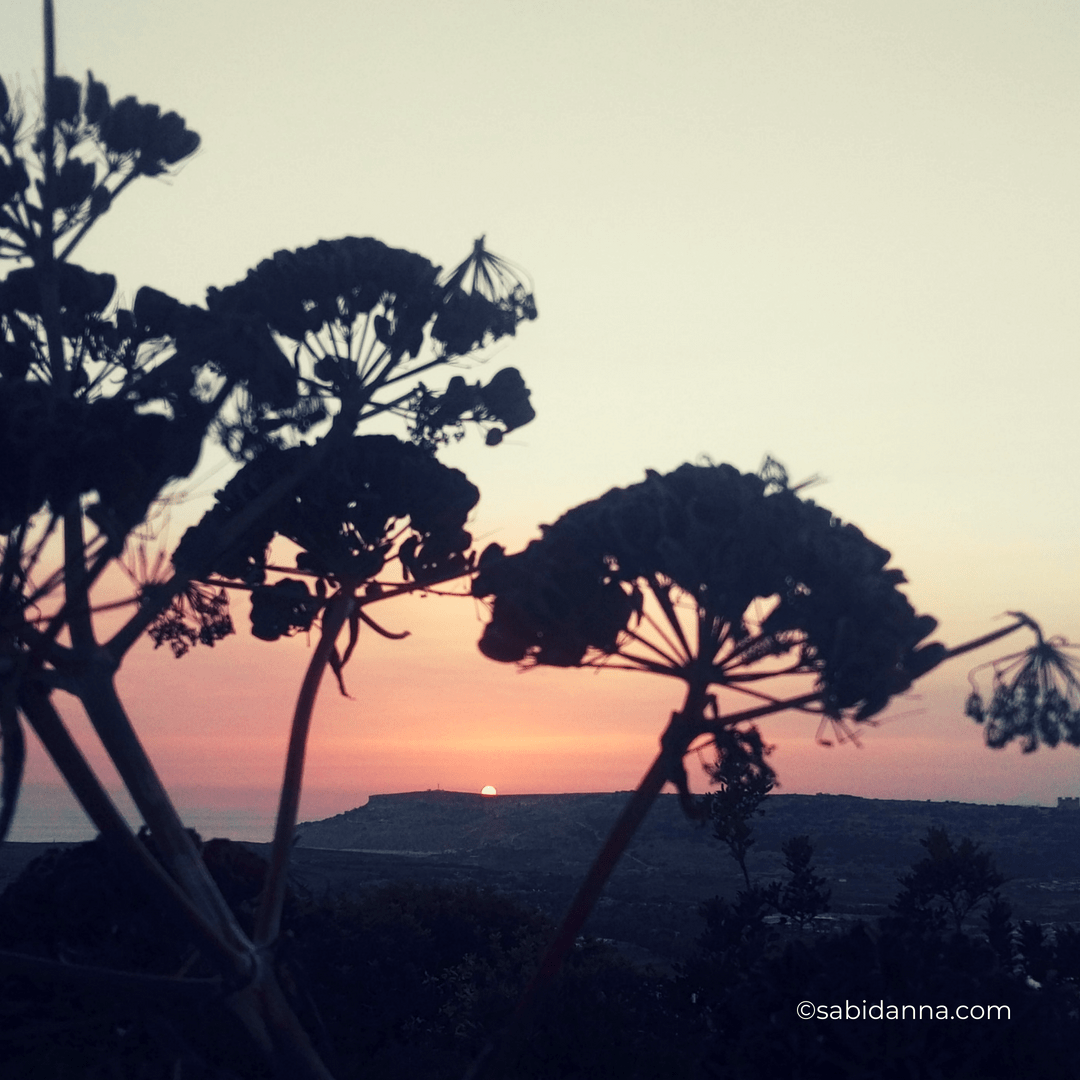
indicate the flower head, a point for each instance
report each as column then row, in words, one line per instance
column 1035, row 696
column 484, row 299
column 704, row 574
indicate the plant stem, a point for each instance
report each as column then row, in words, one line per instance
column 124, row 982
column 268, row 918
column 45, row 720
column 178, row 851
column 683, row 728
column 986, row 639
column 498, row 1056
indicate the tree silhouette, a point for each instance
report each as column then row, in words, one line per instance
column 804, row 896
column 743, row 781
column 949, row 884
column 103, row 407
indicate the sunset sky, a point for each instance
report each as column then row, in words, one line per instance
column 846, row 234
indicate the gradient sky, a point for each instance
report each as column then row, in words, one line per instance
column 846, row 234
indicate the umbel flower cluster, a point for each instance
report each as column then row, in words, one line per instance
column 351, row 323
column 708, row 547
column 95, row 147
column 324, row 339
column 1035, row 696
column 71, row 415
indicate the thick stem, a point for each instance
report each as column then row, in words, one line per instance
column 46, row 721
column 176, row 846
column 497, row 1057
column 268, row 919
column 683, row 726
column 76, row 585
column 622, row 832
column 259, row 1005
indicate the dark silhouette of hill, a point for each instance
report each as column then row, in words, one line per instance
column 538, row 846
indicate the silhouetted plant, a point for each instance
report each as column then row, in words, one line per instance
column 997, row 919
column 736, row 935
column 717, row 579
column 743, row 779
column 949, row 884
column 102, row 407
column 393, row 981
column 804, row 896
column 1035, row 696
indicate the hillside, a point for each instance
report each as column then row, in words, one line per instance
column 538, row 846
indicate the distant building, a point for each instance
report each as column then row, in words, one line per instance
column 1065, row 803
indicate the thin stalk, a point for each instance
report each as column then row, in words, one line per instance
column 977, row 643
column 663, row 598
column 88, row 224
column 646, row 617
column 268, row 918
column 643, row 663
column 672, row 661
column 43, row 256
column 125, row 982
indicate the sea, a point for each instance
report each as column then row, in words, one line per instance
column 47, row 814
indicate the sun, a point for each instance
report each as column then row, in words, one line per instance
column 489, row 790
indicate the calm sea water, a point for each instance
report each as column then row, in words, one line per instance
column 49, row 815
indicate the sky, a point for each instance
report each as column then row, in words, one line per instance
column 845, row 234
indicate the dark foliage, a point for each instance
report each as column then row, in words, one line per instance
column 949, row 884
column 743, row 781
column 439, row 417
column 750, row 976
column 398, row 981
column 196, row 615
column 804, row 896
column 408, row 980
column 79, row 906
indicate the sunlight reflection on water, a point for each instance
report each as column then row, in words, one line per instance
column 48, row 814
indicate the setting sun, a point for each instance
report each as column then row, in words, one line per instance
column 489, row 790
